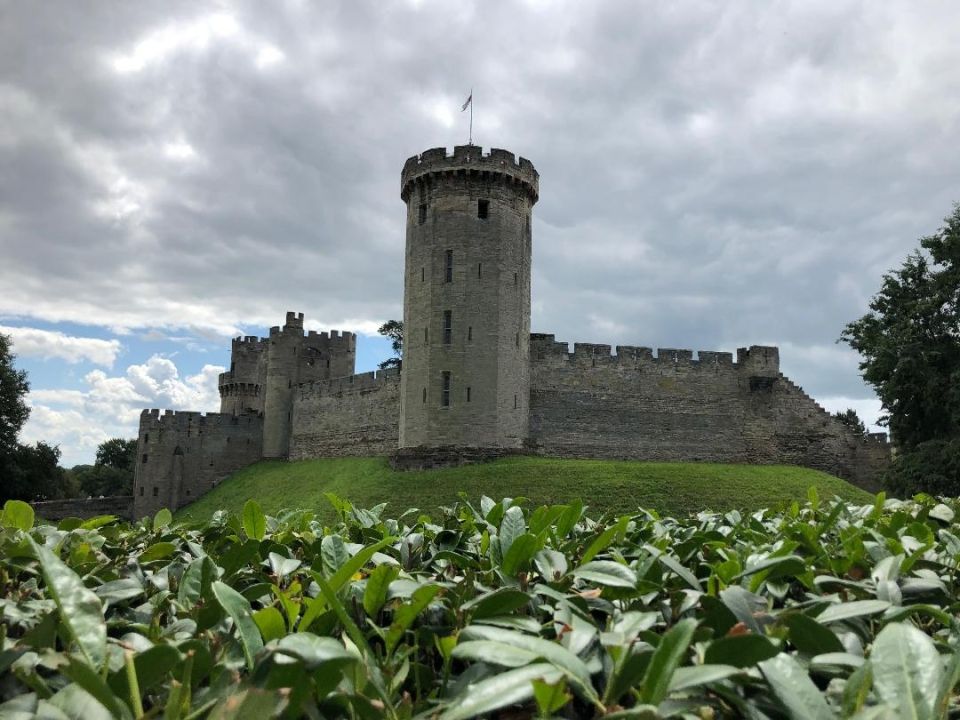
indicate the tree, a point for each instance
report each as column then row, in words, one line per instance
column 909, row 343
column 850, row 418
column 32, row 472
column 27, row 472
column 393, row 329
column 113, row 472
column 13, row 390
column 118, row 453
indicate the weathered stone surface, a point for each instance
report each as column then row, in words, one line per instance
column 352, row 416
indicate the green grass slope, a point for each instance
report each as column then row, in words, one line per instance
column 605, row 486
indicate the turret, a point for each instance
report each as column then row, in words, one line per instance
column 465, row 379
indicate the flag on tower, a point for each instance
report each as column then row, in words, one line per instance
column 468, row 102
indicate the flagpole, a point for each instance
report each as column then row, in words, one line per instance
column 470, row 141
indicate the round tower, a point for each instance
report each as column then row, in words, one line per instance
column 466, row 305
column 283, row 358
column 241, row 387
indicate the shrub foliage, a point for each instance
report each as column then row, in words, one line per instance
column 820, row 611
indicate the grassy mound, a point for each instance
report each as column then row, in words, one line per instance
column 603, row 485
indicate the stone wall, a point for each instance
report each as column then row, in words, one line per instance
column 119, row 505
column 352, row 416
column 182, row 455
column 675, row 407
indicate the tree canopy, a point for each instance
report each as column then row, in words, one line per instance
column 393, row 329
column 13, row 390
column 909, row 343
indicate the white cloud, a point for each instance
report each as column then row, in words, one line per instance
column 868, row 409
column 110, row 406
column 48, row 344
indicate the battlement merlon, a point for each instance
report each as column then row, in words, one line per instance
column 181, row 419
column 248, row 343
column 757, row 360
column 469, row 159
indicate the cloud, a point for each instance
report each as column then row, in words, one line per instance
column 47, row 344
column 712, row 175
column 110, row 406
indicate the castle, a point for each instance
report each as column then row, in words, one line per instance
column 475, row 382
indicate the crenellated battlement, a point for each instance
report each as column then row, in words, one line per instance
column 248, row 343
column 183, row 419
column 351, row 383
column 546, row 347
column 469, row 159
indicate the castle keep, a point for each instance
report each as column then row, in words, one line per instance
column 475, row 382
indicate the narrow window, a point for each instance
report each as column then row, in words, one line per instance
column 424, row 394
column 426, row 335
column 141, row 491
column 479, row 270
column 233, row 366
column 445, row 397
column 514, row 278
column 423, row 274
column 514, row 402
column 470, row 333
column 144, row 459
column 483, row 209
column 468, row 394
column 449, row 265
column 328, row 362
column 517, row 340
column 447, row 327
column 146, row 437
column 423, row 213
column 156, row 491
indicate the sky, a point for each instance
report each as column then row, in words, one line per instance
column 712, row 175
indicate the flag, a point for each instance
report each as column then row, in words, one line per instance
column 467, row 103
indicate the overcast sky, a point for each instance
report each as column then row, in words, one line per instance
column 713, row 175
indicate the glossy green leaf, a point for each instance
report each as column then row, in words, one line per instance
column 740, row 651
column 518, row 556
column 17, row 515
column 607, row 572
column 237, row 607
column 254, row 521
column 685, row 678
column 852, row 609
column 378, row 584
column 158, row 551
column 907, row 671
column 791, row 685
column 80, row 609
column 668, row 656
column 511, row 527
column 499, row 602
column 406, row 614
column 162, row 519
column 271, row 624
column 809, row 636
column 507, row 688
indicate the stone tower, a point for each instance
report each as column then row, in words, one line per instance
column 291, row 359
column 466, row 306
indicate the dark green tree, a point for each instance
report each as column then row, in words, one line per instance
column 113, row 472
column 909, row 344
column 393, row 329
column 850, row 418
column 13, row 390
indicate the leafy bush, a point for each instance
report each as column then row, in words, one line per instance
column 932, row 467
column 820, row 611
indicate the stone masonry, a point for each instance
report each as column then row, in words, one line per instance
column 475, row 382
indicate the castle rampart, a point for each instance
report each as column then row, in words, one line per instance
column 351, row 416
column 475, row 382
column 182, row 455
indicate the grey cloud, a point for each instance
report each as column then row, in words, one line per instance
column 711, row 175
